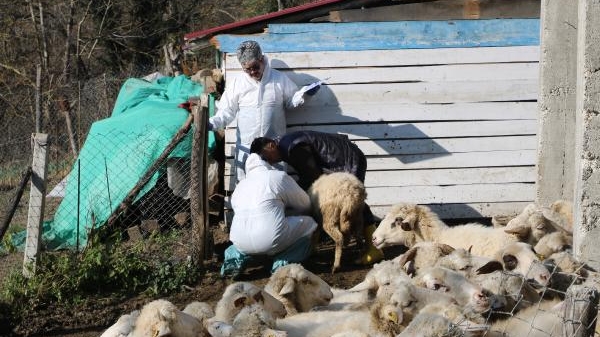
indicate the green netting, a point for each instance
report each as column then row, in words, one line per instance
column 116, row 154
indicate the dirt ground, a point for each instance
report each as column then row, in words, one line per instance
column 92, row 319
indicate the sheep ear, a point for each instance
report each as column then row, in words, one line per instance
column 240, row 301
column 447, row 249
column 409, row 255
column 288, row 287
column 490, row 267
column 364, row 285
column 521, row 232
column 258, row 297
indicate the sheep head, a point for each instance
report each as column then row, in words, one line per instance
column 407, row 224
column 520, row 258
column 298, row 289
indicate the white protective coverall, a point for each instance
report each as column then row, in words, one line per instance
column 259, row 107
column 260, row 202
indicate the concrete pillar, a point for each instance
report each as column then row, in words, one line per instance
column 556, row 102
column 587, row 135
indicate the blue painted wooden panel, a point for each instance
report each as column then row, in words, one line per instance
column 390, row 35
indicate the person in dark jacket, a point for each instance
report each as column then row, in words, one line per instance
column 312, row 153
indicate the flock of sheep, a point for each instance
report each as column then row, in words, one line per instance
column 466, row 280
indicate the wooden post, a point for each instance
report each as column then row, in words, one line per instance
column 38, row 99
column 580, row 310
column 65, row 107
column 198, row 184
column 13, row 207
column 37, row 201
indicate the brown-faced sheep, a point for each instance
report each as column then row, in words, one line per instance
column 338, row 201
column 407, row 224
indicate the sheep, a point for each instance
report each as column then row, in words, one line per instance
column 464, row 291
column 338, row 201
column 532, row 224
column 431, row 325
column 422, row 255
column 122, row 326
column 379, row 317
column 509, row 292
column 298, row 289
column 519, row 257
column 251, row 321
column 199, row 310
column 544, row 319
column 162, row 318
column 563, row 209
column 240, row 294
column 553, row 243
column 565, row 271
column 407, row 224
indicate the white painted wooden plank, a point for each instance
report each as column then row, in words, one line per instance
column 459, row 176
column 433, row 73
column 454, row 160
column 421, row 130
column 452, row 194
column 369, row 58
column 390, row 111
column 466, row 210
column 442, row 145
column 431, row 92
column 402, row 112
column 451, row 210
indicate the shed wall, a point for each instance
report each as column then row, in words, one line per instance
column 451, row 127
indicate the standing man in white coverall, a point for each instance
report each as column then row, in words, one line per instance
column 267, row 219
column 258, row 98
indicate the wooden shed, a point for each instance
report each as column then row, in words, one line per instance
column 444, row 107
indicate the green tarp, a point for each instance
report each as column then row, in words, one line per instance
column 117, row 152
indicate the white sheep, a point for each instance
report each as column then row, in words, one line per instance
column 466, row 292
column 565, row 271
column 423, row 255
column 376, row 318
column 509, row 291
column 122, row 326
column 544, row 319
column 381, row 275
column 553, row 243
column 532, row 224
column 200, row 310
column 519, row 257
column 407, row 224
column 338, row 201
column 431, row 325
column 162, row 318
column 241, row 294
column 563, row 210
column 251, row 321
column 298, row 289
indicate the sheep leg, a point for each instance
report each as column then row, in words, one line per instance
column 331, row 227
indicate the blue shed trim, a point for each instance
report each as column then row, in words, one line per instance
column 308, row 37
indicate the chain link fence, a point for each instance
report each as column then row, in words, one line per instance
column 89, row 175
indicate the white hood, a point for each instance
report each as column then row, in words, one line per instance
column 254, row 162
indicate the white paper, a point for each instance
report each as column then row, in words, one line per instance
column 310, row 86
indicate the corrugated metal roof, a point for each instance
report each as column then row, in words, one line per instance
column 293, row 14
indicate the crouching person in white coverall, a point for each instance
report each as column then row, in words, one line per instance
column 267, row 205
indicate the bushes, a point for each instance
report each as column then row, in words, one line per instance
column 109, row 267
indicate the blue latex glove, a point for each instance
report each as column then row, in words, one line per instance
column 209, row 126
column 313, row 90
